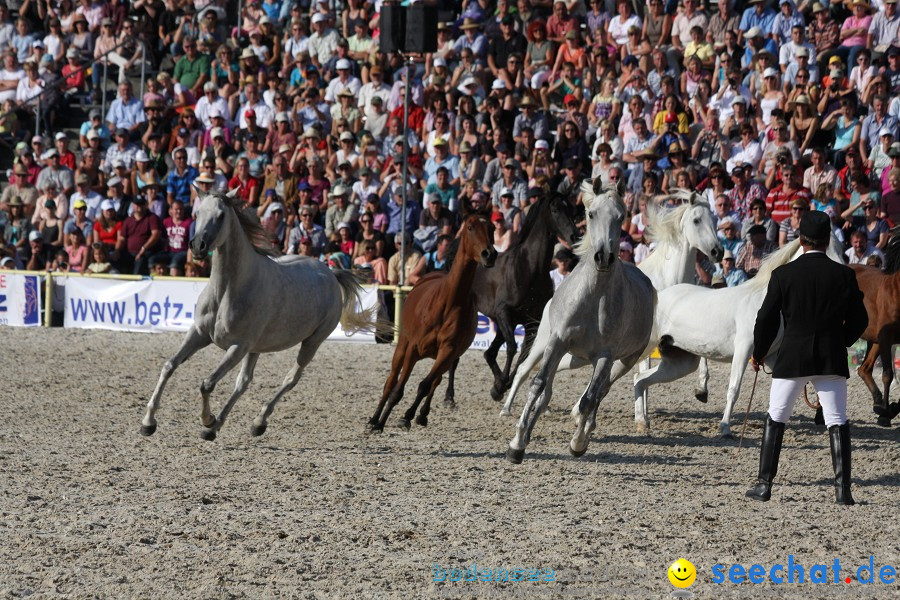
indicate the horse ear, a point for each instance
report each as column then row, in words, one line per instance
column 232, row 194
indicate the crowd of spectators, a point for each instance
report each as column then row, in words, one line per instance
column 769, row 109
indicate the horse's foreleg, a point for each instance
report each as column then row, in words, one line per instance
column 442, row 363
column 501, row 379
column 586, row 420
column 240, row 386
column 702, row 391
column 193, row 341
column 232, row 357
column 539, row 397
column 450, row 395
column 307, row 350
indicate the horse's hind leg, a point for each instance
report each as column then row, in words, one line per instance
column 193, row 341
column 233, row 356
column 701, row 393
column 501, row 378
column 307, row 350
column 410, row 358
column 393, row 376
column 674, row 364
column 887, row 376
column 450, row 396
column 865, row 373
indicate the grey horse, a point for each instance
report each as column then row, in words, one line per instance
column 255, row 303
column 602, row 312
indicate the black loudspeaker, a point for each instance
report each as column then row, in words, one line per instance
column 392, row 23
column 421, row 28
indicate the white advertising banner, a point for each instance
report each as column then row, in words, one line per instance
column 149, row 305
column 20, row 300
column 487, row 330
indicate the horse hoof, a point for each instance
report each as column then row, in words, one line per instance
column 148, row 430
column 375, row 428
column 505, row 413
column 405, row 424
column 422, row 420
column 883, row 422
column 641, row 427
column 515, row 455
column 258, row 430
column 701, row 396
column 450, row 404
column 496, row 394
column 208, row 434
column 726, row 435
column 577, row 453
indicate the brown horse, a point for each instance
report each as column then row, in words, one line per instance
column 438, row 321
column 881, row 291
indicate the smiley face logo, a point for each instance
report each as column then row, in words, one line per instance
column 682, row 573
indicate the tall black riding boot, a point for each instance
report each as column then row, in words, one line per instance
column 840, row 458
column 773, row 435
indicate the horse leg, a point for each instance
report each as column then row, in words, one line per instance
column 586, row 420
column 526, row 365
column 240, row 386
column 702, row 391
column 538, row 399
column 674, row 364
column 232, row 357
column 192, row 342
column 490, row 357
column 865, row 373
column 450, row 396
column 508, row 330
column 887, row 376
column 390, row 384
column 738, row 367
column 426, row 388
column 307, row 350
column 409, row 360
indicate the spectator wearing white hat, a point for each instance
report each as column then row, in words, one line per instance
column 323, row 42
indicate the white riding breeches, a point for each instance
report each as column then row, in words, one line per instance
column 831, row 389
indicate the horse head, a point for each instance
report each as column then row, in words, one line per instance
column 476, row 239
column 604, row 212
column 562, row 219
column 210, row 221
column 699, row 230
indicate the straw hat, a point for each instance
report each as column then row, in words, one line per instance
column 469, row 24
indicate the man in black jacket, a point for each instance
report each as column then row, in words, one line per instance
column 823, row 313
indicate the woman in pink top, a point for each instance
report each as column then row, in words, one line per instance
column 853, row 32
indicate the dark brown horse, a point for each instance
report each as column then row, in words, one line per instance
column 881, row 291
column 438, row 321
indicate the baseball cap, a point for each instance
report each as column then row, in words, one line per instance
column 342, row 64
column 80, row 204
column 35, row 236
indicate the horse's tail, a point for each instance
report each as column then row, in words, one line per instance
column 354, row 317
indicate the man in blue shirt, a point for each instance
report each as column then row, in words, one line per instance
column 126, row 111
column 181, row 178
column 757, row 15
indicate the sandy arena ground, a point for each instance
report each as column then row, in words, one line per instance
column 317, row 509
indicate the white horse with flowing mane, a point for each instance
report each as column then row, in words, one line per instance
column 678, row 233
column 256, row 303
column 585, row 318
column 716, row 324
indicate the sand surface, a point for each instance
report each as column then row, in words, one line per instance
column 317, row 509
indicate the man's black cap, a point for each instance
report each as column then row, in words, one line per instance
column 815, row 225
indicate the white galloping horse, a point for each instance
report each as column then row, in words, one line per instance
column 254, row 304
column 585, row 318
column 717, row 324
column 678, row 233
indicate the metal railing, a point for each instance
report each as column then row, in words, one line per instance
column 60, row 82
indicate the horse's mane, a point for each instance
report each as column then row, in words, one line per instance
column 253, row 229
column 589, row 195
column 664, row 224
column 778, row 258
column 531, row 217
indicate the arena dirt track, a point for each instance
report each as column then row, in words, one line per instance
column 317, row 509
